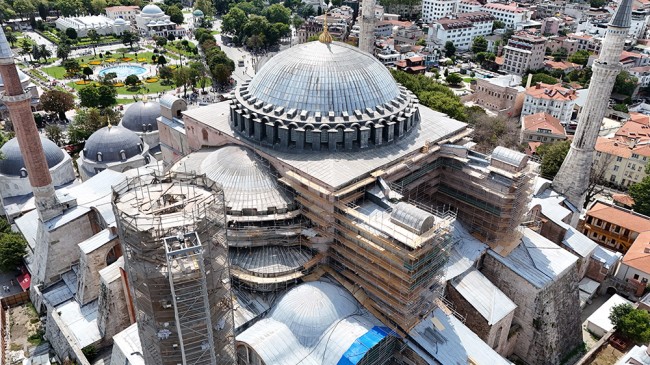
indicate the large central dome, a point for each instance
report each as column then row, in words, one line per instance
column 319, row 77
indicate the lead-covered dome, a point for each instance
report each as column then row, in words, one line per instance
column 152, row 10
column 141, row 116
column 112, row 144
column 12, row 161
column 320, row 77
column 21, row 76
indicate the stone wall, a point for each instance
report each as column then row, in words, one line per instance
column 113, row 314
column 549, row 317
column 61, row 340
column 90, row 264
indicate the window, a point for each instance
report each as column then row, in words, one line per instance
column 122, row 155
column 636, row 276
column 634, row 155
column 612, row 178
column 100, row 157
column 619, row 159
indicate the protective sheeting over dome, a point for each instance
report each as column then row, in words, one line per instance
column 248, row 182
column 12, row 161
column 152, row 10
column 318, row 77
column 141, row 116
column 112, row 144
column 316, row 323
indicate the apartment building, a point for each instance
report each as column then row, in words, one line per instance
column 469, row 6
column 436, row 9
column 541, row 128
column 461, row 29
column 127, row 13
column 613, row 226
column 509, row 14
column 555, row 100
column 523, row 52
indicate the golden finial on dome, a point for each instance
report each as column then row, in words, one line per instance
column 325, row 37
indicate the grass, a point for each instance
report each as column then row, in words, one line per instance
column 468, row 79
column 215, row 32
column 58, row 72
column 125, row 101
column 128, row 90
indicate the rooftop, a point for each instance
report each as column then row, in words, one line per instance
column 554, row 92
column 619, row 216
column 534, row 122
column 484, row 296
column 638, row 255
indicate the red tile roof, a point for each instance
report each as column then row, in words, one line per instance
column 533, row 122
column 621, row 217
column 638, row 255
column 555, row 92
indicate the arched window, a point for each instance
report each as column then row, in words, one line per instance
column 123, row 154
column 205, row 134
column 23, row 172
column 146, row 159
column 100, row 157
column 149, row 127
column 144, row 127
column 140, row 147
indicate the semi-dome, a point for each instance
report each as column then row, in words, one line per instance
column 12, row 161
column 152, row 10
column 21, row 76
column 141, row 116
column 318, row 77
column 112, row 144
column 248, row 184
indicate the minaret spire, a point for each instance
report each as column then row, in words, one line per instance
column 325, row 37
column 18, row 104
column 573, row 178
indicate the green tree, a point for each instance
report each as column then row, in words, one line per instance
column 161, row 41
column 620, row 108
column 560, row 54
column 498, row 24
column 205, row 6
column 128, row 38
column 182, row 76
column 277, row 13
column 11, row 38
column 85, row 123
column 54, row 133
column 165, row 72
column 69, row 7
column 6, row 12
column 552, row 155
column 625, row 84
column 580, row 57
column 597, row 3
column 479, row 44
column 94, row 39
column 71, row 66
column 175, row 14
column 12, row 250
column 632, row 322
column 450, row 49
column 71, row 33
column 221, row 73
column 25, row 48
column 56, row 101
column 87, row 72
column 454, row 79
column 62, row 51
column 36, row 52
column 101, row 96
column 44, row 53
column 24, row 7
column 132, row 80
column 234, row 22
column 540, row 77
column 640, row 193
column 162, row 61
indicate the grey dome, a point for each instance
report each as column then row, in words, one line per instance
column 119, row 21
column 110, row 141
column 248, row 184
column 21, row 75
column 141, row 113
column 13, row 162
column 152, row 10
column 318, row 77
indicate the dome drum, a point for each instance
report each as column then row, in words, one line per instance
column 298, row 129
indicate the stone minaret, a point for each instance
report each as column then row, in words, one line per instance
column 18, row 104
column 368, row 20
column 573, row 178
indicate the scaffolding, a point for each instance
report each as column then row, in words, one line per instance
column 173, row 233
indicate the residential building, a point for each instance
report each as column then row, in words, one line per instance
column 584, row 42
column 524, row 52
column 541, row 128
column 555, row 100
column 623, row 162
column 613, row 226
column 469, row 6
column 635, row 267
column 564, row 66
column 642, row 74
column 461, row 29
column 412, row 65
column 436, row 9
column 510, row 14
column 127, row 13
column 502, row 94
column 551, row 25
column 309, row 29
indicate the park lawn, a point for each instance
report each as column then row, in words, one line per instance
column 468, row 79
column 154, row 87
column 58, row 72
column 125, row 101
column 180, row 51
column 215, row 32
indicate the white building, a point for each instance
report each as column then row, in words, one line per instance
column 510, row 15
column 436, row 9
column 461, row 29
column 469, row 6
column 127, row 13
column 523, row 52
column 599, row 323
column 101, row 24
column 152, row 21
column 642, row 74
column 555, row 100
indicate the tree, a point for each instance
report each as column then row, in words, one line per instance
column 221, row 73
column 97, row 6
column 132, row 80
column 87, row 72
column 205, row 6
column 56, row 101
column 625, row 84
column 54, row 133
column 71, row 33
column 277, row 13
column 161, row 41
column 175, row 14
column 128, row 38
column 43, row 9
column 165, row 72
column 580, row 57
column 640, row 192
column 454, row 79
column 560, row 54
column 540, row 77
column 94, row 39
column 11, row 38
column 62, row 51
column 633, row 323
column 620, row 108
column 479, row 44
column 234, row 22
column 71, row 66
column 12, row 250
column 200, row 72
column 6, row 12
column 552, row 155
column 162, row 61
column 25, row 48
column 85, row 123
column 44, row 52
column 69, row 7
column 36, row 52
column 97, row 96
column 450, row 49
column 182, row 76
column 24, row 8
column 597, row 3
column 498, row 24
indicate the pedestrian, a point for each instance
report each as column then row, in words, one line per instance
column 12, row 282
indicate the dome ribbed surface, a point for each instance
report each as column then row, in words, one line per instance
column 12, row 161
column 319, row 77
column 110, row 141
column 141, row 113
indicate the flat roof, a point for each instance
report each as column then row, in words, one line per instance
column 336, row 169
column 600, row 318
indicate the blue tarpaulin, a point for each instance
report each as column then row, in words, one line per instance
column 363, row 344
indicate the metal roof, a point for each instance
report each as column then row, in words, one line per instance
column 319, row 77
column 338, row 168
column 139, row 114
column 110, row 141
column 578, row 242
column 484, row 296
column 623, row 16
column 12, row 158
column 537, row 260
column 508, row 156
column 269, row 260
column 98, row 240
column 81, row 322
column 607, row 257
column 128, row 343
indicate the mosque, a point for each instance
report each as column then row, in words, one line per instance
column 152, row 21
column 359, row 228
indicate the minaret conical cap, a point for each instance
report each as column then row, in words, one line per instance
column 623, row 16
column 5, row 49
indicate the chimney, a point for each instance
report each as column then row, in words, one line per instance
column 538, row 85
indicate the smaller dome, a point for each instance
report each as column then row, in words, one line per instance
column 12, row 161
column 140, row 115
column 119, row 21
column 160, row 22
column 197, row 12
column 110, row 142
column 152, row 10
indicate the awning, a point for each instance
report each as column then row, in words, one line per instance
column 24, row 280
